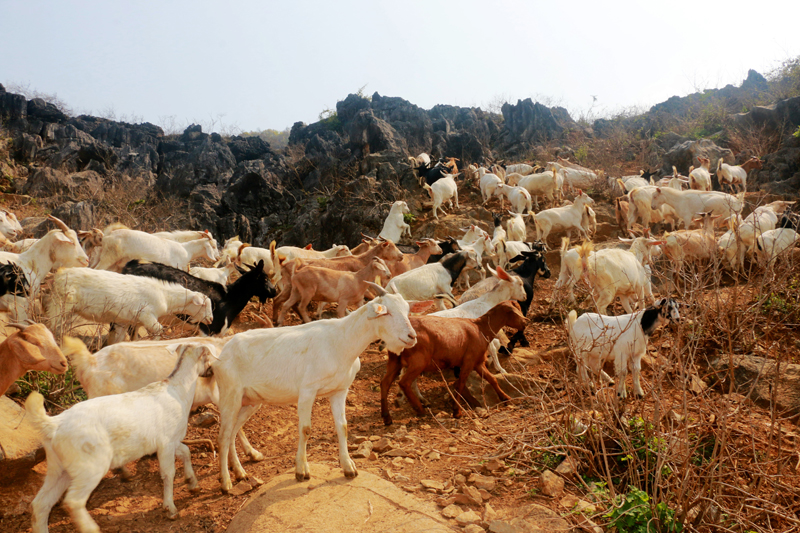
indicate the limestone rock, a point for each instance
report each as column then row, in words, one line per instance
column 473, row 528
column 482, row 482
column 468, row 517
column 372, row 504
column 552, row 484
column 381, row 446
column 364, row 450
column 567, row 467
column 452, row 511
column 432, row 484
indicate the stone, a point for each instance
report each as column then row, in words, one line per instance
column 485, row 494
column 489, row 513
column 493, row 465
column 482, row 482
column 434, row 456
column 397, row 452
column 473, row 528
column 473, row 494
column 20, row 446
column 567, row 467
column 78, row 216
column 241, row 488
column 452, row 511
column 445, row 501
column 432, row 484
column 468, row 517
column 756, row 376
column 364, row 450
column 372, row 504
column 573, row 503
column 383, row 445
column 538, row 516
column 552, row 484
column 204, row 420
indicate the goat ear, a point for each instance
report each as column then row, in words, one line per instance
column 501, row 274
column 377, row 310
column 26, row 353
column 199, row 299
column 308, row 247
column 63, row 238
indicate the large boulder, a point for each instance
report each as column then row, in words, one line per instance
column 756, row 377
column 373, row 504
column 528, row 123
column 685, row 154
column 76, row 215
column 198, row 160
column 369, row 133
column 49, row 182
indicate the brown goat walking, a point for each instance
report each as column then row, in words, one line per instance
column 313, row 283
column 447, row 343
column 352, row 263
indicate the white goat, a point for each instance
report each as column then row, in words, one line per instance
column 9, row 225
column 427, row 281
column 595, row 339
column 542, row 184
column 507, row 250
column 221, row 274
column 693, row 245
column 700, row 177
column 518, row 197
column 688, row 203
column 613, row 272
column 59, row 248
column 394, row 227
column 186, row 236
column 297, row 364
column 92, row 437
column 129, row 366
column 488, row 183
column 771, row 244
column 443, row 190
column 520, row 168
column 729, row 175
column 516, row 227
column 562, row 218
column 122, row 245
column 108, row 297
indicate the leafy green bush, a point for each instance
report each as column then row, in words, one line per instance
column 409, row 218
column 633, row 513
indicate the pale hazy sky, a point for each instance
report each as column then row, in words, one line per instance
column 263, row 64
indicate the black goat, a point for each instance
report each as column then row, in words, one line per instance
column 12, row 280
column 226, row 302
column 448, row 246
column 789, row 220
column 533, row 263
column 432, row 175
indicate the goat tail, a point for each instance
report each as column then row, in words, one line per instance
column 564, row 246
column 78, row 354
column 34, row 408
column 621, row 184
column 585, row 249
column 571, row 318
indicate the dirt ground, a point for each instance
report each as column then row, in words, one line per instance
column 462, row 445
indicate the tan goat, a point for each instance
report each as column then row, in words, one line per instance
column 31, row 348
column 320, row 284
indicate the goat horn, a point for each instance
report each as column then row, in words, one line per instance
column 16, row 325
column 380, row 291
column 58, row 222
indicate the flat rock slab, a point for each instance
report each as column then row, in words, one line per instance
column 329, row 502
column 20, row 447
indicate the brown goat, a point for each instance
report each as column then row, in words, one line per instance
column 449, row 343
column 427, row 247
column 621, row 212
column 319, row 284
column 352, row 263
column 31, row 348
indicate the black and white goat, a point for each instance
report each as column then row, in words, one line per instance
column 226, row 302
column 596, row 338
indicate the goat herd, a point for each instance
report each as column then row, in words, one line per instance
column 141, row 392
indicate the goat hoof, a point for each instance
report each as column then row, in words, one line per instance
column 300, row 476
column 504, row 351
column 457, row 414
column 256, row 456
column 387, row 420
column 350, row 475
column 172, row 514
